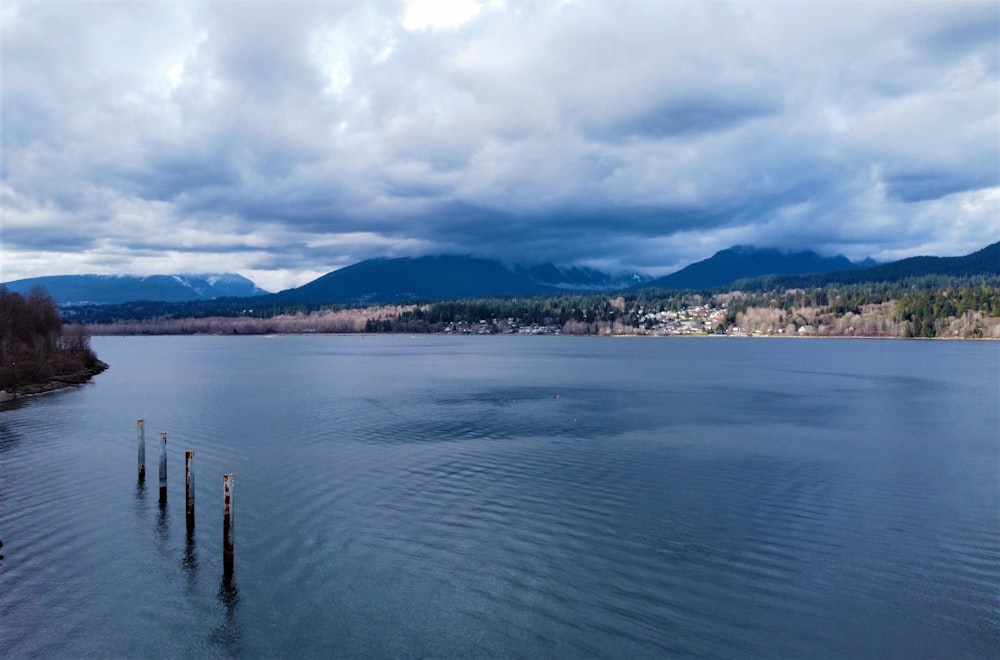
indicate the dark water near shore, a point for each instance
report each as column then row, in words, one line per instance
column 432, row 497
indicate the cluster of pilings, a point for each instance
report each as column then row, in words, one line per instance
column 227, row 491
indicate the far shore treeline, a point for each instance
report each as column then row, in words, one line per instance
column 37, row 352
column 966, row 307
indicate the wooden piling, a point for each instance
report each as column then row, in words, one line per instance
column 227, row 522
column 142, row 448
column 163, row 466
column 189, row 485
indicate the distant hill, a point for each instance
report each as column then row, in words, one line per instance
column 449, row 277
column 741, row 262
column 418, row 278
column 114, row 289
column 981, row 262
column 444, row 277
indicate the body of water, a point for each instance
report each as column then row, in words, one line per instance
column 512, row 497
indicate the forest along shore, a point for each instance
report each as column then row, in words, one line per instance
column 957, row 313
column 37, row 352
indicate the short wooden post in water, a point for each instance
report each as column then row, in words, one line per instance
column 189, row 485
column 227, row 523
column 142, row 449
column 163, row 466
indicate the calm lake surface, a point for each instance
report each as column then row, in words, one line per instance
column 512, row 497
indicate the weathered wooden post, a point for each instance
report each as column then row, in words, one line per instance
column 163, row 466
column 142, row 449
column 189, row 486
column 227, row 523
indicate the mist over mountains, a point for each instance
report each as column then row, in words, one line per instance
column 114, row 289
column 443, row 277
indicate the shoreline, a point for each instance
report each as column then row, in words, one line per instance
column 559, row 334
column 54, row 383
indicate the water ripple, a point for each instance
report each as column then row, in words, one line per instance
column 399, row 498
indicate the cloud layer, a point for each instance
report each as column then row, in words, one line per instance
column 283, row 140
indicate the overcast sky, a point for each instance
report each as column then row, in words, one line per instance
column 284, row 140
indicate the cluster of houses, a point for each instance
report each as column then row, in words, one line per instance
column 501, row 326
column 693, row 320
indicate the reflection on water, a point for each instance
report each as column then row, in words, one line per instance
column 190, row 561
column 8, row 440
column 163, row 523
column 228, row 632
column 9, row 437
column 432, row 498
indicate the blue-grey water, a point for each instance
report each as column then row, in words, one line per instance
column 512, row 497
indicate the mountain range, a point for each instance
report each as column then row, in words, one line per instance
column 982, row 262
column 743, row 261
column 444, row 277
column 113, row 289
column 450, row 277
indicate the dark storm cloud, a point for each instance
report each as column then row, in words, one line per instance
column 168, row 176
column 915, row 186
column 960, row 28
column 602, row 235
column 61, row 239
column 287, row 139
column 691, row 116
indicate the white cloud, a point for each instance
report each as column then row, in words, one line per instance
column 438, row 14
column 292, row 138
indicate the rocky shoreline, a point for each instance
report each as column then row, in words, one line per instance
column 53, row 383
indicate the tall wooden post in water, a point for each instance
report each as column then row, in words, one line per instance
column 189, row 486
column 142, row 449
column 163, row 466
column 227, row 523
